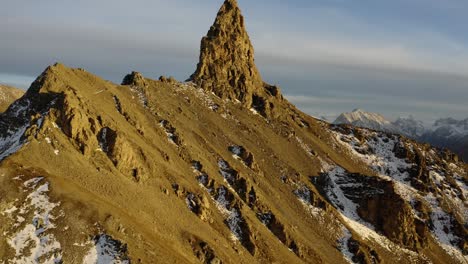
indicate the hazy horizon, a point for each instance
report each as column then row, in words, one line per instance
column 328, row 57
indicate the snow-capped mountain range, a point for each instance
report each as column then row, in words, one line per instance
column 365, row 119
column 445, row 133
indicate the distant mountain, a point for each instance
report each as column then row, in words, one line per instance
column 406, row 126
column 409, row 127
column 445, row 133
column 361, row 118
column 449, row 133
column 449, row 128
column 8, row 95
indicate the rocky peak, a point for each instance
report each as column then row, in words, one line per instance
column 134, row 79
column 47, row 76
column 227, row 65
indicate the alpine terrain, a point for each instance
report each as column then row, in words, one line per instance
column 217, row 169
column 8, row 95
column 444, row 133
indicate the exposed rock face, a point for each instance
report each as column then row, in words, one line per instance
column 392, row 216
column 227, row 65
column 417, row 203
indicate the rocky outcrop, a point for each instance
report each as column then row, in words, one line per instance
column 227, row 65
column 134, row 79
column 392, row 216
column 377, row 203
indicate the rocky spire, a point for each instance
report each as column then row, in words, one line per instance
column 227, row 65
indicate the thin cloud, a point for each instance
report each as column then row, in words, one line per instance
column 414, row 50
column 304, row 99
column 327, row 51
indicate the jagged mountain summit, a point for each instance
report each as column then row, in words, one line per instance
column 161, row 171
column 227, row 65
column 8, row 95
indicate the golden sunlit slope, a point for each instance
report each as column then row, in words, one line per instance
column 160, row 171
column 8, row 95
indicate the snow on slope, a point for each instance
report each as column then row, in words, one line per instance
column 106, row 250
column 337, row 188
column 32, row 242
column 444, row 133
column 11, row 141
column 380, row 155
column 31, row 235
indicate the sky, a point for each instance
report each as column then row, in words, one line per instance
column 397, row 58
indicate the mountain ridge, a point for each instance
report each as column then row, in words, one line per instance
column 169, row 172
column 69, row 128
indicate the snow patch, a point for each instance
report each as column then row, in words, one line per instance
column 343, row 245
column 334, row 192
column 377, row 151
column 380, row 156
column 10, row 211
column 33, row 241
column 106, row 250
column 140, row 94
column 13, row 142
column 441, row 228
